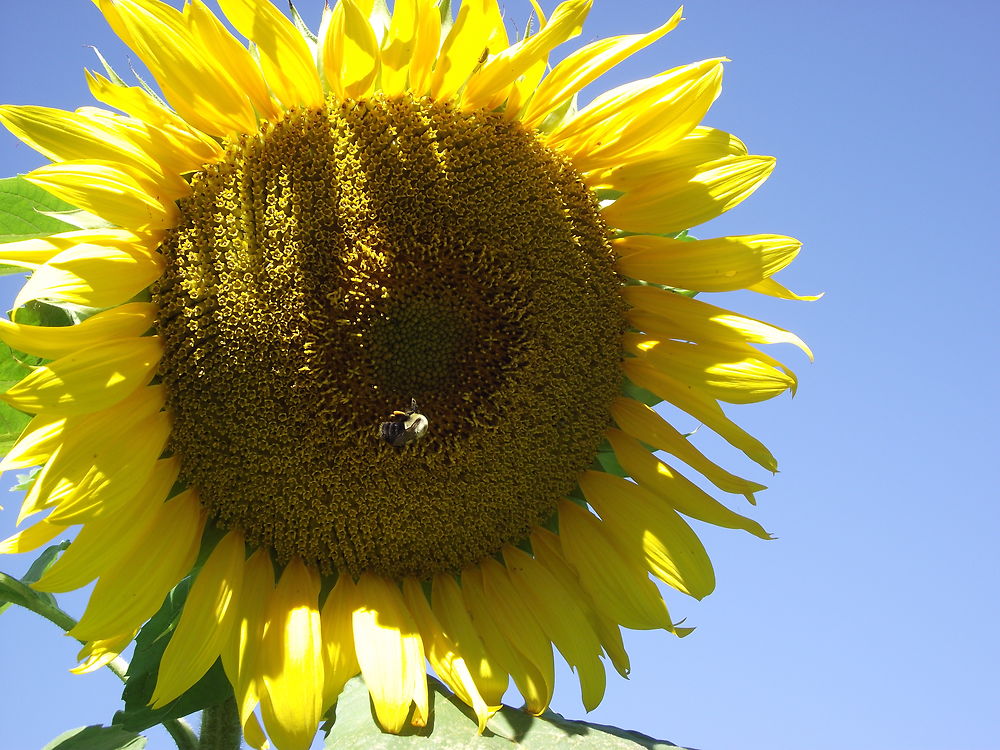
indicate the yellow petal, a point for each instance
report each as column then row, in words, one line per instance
column 449, row 609
column 694, row 320
column 39, row 440
column 189, row 146
column 118, row 470
column 340, row 660
column 100, row 459
column 425, row 46
column 253, row 734
column 103, row 543
column 90, row 380
column 547, row 550
column 563, row 620
column 681, row 199
column 34, row 252
column 586, row 65
column 194, row 83
column 443, row 653
column 350, row 52
column 127, row 596
column 67, row 136
column 157, row 143
column 51, row 342
column 236, row 59
column 292, row 656
column 724, row 264
column 701, row 146
column 488, row 87
column 527, row 677
column 772, row 288
column 522, row 631
column 206, row 622
column 612, row 576
column 700, row 406
column 96, row 654
column 284, row 55
column 641, row 422
column 672, row 551
column 669, row 484
column 31, row 537
column 725, row 373
column 650, row 115
column 106, row 191
column 390, row 652
column 241, row 655
column 92, row 276
column 477, row 32
column 398, row 46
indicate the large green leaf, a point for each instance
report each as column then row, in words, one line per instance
column 212, row 689
column 96, row 737
column 453, row 726
column 25, row 211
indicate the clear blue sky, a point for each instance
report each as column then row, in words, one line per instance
column 871, row 622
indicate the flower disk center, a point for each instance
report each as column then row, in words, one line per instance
column 344, row 261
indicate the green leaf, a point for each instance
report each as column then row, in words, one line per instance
column 25, row 481
column 22, row 207
column 39, row 313
column 96, row 737
column 212, row 689
column 452, row 725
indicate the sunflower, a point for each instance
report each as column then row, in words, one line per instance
column 378, row 318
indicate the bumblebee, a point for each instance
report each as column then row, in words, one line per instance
column 404, row 427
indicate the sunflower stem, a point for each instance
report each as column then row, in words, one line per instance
column 220, row 727
column 182, row 734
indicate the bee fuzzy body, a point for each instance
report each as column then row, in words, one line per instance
column 404, row 427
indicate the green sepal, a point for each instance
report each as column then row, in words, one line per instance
column 452, row 724
column 447, row 18
column 97, row 737
column 42, row 563
column 111, row 73
column 211, row 690
column 26, row 212
column 636, row 393
column 118, row 80
column 561, row 114
column 607, row 461
column 303, row 28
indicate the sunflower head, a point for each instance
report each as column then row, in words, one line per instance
column 377, row 319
